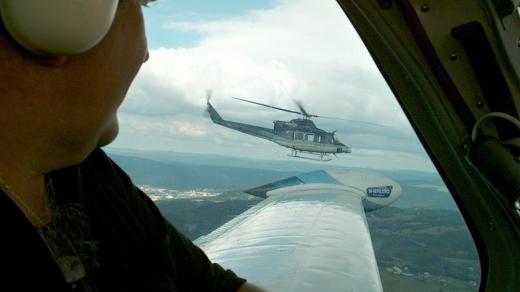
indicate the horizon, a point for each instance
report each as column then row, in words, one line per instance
column 114, row 150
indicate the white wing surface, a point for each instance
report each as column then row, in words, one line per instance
column 309, row 234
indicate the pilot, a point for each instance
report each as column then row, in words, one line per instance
column 70, row 218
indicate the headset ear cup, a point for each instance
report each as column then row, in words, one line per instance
column 58, row 27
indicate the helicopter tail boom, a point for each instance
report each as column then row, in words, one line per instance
column 215, row 117
column 253, row 130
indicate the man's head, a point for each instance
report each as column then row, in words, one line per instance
column 63, row 105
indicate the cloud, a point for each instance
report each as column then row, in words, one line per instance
column 302, row 50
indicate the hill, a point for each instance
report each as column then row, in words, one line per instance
column 181, row 176
column 295, row 165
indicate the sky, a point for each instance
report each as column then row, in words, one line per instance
column 270, row 51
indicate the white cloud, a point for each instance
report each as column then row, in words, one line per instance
column 299, row 50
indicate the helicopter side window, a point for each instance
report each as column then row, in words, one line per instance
column 309, row 137
column 298, row 136
column 286, row 134
column 327, row 139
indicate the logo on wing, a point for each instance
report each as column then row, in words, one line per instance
column 379, row 192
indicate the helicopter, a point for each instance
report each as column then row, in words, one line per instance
column 300, row 135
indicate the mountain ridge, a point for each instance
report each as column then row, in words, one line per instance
column 420, row 190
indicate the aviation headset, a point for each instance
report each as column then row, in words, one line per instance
column 58, row 27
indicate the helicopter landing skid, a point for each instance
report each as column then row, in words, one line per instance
column 322, row 157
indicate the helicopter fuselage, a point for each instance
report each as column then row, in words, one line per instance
column 298, row 134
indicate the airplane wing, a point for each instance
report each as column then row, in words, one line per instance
column 309, row 234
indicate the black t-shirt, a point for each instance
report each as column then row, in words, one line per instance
column 130, row 246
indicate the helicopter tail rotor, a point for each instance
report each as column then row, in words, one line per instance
column 209, row 93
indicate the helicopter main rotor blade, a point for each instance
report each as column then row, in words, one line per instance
column 266, row 105
column 303, row 111
column 306, row 114
column 353, row 121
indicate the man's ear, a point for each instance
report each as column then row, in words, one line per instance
column 7, row 42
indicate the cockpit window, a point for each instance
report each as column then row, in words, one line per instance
column 303, row 62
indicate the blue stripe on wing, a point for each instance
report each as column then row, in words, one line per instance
column 318, row 176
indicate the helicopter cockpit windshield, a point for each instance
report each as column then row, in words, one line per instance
column 335, row 140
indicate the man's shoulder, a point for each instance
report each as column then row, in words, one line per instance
column 102, row 180
column 96, row 159
column 100, row 168
column 108, row 188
